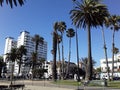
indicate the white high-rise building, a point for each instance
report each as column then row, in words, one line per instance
column 25, row 39
column 10, row 43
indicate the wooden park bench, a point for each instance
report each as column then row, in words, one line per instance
column 3, row 87
column 16, row 86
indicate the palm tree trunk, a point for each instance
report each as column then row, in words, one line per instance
column 67, row 73
column 59, row 59
column 62, row 58
column 89, row 64
column 33, row 71
column 105, row 51
column 77, row 57
column 12, row 70
column 19, row 67
column 113, row 45
column 54, row 55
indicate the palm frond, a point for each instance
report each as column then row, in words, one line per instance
column 13, row 2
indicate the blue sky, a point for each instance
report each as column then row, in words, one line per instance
column 38, row 17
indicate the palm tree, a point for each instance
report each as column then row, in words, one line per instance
column 70, row 33
column 61, row 28
column 114, row 22
column 116, row 50
column 85, row 61
column 106, row 23
column 33, row 63
column 12, row 56
column 88, row 14
column 20, row 53
column 105, row 51
column 59, row 39
column 38, row 40
column 2, row 66
column 54, row 51
column 77, row 51
column 13, row 2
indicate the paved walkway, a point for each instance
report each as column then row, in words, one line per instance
column 37, row 85
column 47, row 85
column 30, row 87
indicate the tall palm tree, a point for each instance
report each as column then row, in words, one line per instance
column 77, row 51
column 54, row 51
column 88, row 14
column 61, row 28
column 20, row 53
column 70, row 33
column 105, row 52
column 12, row 56
column 106, row 23
column 59, row 39
column 13, row 2
column 114, row 22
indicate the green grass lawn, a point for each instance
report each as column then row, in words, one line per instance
column 111, row 84
column 114, row 84
column 67, row 82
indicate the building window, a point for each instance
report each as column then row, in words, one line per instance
column 102, row 68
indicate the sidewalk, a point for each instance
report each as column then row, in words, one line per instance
column 47, row 85
column 37, row 85
column 30, row 87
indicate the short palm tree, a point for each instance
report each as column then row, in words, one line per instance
column 13, row 2
column 33, row 63
column 116, row 50
column 88, row 14
column 2, row 65
column 12, row 56
column 20, row 53
column 70, row 33
column 85, row 61
column 38, row 40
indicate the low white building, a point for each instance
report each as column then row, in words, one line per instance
column 48, row 66
column 116, row 67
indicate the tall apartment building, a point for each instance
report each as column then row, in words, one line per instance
column 25, row 39
column 10, row 43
